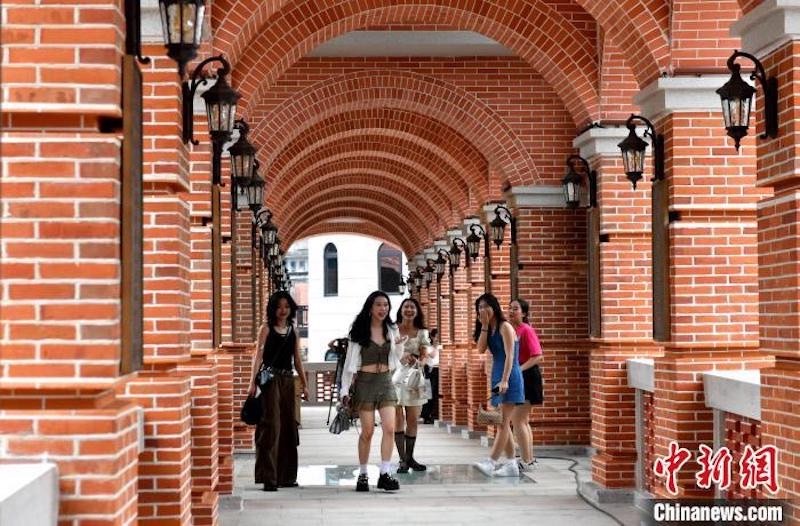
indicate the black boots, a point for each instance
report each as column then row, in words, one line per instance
column 401, row 450
column 409, row 458
column 387, row 482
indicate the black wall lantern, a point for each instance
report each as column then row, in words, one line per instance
column 474, row 240
column 255, row 190
column 573, row 180
column 502, row 215
column 633, row 151
column 182, row 23
column 737, row 99
column 430, row 269
column 418, row 277
column 441, row 263
column 401, row 287
column 220, row 102
column 459, row 246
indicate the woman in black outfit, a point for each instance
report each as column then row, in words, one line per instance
column 276, row 434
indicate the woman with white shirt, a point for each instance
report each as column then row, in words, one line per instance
column 430, row 411
column 374, row 352
column 411, row 398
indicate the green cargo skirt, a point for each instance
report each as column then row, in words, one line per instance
column 373, row 391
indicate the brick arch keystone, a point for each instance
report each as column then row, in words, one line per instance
column 454, row 107
column 342, row 174
column 535, row 31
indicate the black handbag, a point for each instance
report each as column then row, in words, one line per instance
column 251, row 410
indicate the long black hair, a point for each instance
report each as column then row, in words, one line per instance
column 492, row 302
column 419, row 319
column 360, row 330
column 272, row 308
column 524, row 307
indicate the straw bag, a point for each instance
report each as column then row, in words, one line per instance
column 489, row 417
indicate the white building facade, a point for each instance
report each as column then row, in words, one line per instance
column 331, row 309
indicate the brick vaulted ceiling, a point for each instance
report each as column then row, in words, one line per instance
column 406, row 147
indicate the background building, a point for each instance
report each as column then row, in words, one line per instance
column 342, row 271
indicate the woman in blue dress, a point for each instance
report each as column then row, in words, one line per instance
column 492, row 331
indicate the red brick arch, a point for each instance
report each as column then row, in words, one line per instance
column 535, row 31
column 450, row 105
column 342, row 175
column 640, row 30
column 455, row 190
column 415, row 217
column 364, row 229
column 395, row 158
column 418, row 131
column 383, row 216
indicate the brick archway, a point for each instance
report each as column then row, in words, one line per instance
column 418, row 133
column 364, row 229
column 548, row 40
column 381, row 215
column 418, row 94
column 440, row 211
column 408, row 204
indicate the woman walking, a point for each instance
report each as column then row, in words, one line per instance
column 411, row 324
column 374, row 351
column 530, row 354
column 278, row 352
column 430, row 411
column 493, row 332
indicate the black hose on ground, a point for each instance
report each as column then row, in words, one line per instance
column 577, row 486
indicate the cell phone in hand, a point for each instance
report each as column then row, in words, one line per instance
column 496, row 389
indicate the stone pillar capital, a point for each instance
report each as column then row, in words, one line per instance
column 539, row 196
column 768, row 26
column 599, row 141
column 684, row 93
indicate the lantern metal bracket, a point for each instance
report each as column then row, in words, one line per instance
column 591, row 175
column 189, row 87
column 657, row 145
column 770, row 87
column 133, row 30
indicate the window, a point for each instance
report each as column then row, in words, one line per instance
column 331, row 266
column 389, row 268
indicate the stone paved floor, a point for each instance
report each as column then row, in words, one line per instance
column 452, row 491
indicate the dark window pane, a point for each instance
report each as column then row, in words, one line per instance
column 331, row 269
column 389, row 268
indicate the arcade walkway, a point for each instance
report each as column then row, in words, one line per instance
column 451, row 491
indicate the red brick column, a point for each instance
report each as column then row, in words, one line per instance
column 776, row 45
column 60, row 270
column 241, row 356
column 552, row 278
column 467, row 398
column 713, row 269
column 626, row 305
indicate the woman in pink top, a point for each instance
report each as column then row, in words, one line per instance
column 530, row 354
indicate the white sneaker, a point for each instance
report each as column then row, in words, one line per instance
column 509, row 469
column 486, row 466
column 525, row 466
